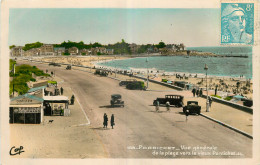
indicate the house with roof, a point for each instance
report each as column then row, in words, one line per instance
column 73, row 51
column 17, row 51
column 58, row 51
column 47, row 50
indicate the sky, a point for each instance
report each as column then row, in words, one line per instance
column 193, row 27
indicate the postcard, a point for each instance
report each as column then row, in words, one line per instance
column 130, row 82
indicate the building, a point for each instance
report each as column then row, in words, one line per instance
column 17, row 51
column 73, row 51
column 110, row 51
column 58, row 51
column 85, row 51
column 134, row 48
column 32, row 52
column 55, row 105
column 47, row 50
column 26, row 109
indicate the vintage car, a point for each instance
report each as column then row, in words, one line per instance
column 68, row 67
column 136, row 85
column 54, row 64
column 116, row 100
column 176, row 100
column 192, row 107
column 101, row 72
column 124, row 83
column 247, row 102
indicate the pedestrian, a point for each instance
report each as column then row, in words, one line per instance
column 52, row 73
column 193, row 91
column 112, row 121
column 187, row 112
column 46, row 70
column 61, row 90
column 210, row 101
column 72, row 99
column 105, row 120
column 168, row 106
column 157, row 105
column 200, row 92
column 197, row 92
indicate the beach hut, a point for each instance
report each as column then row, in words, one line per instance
column 26, row 109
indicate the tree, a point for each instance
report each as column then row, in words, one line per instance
column 12, row 46
column 161, row 45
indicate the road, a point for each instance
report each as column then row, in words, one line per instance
column 140, row 132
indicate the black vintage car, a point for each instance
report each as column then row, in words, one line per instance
column 192, row 107
column 54, row 64
column 136, row 85
column 124, row 83
column 101, row 72
column 116, row 100
column 68, row 67
column 247, row 102
column 176, row 100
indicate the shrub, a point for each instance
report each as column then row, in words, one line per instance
column 52, row 82
column 228, row 98
column 164, row 80
column 217, row 96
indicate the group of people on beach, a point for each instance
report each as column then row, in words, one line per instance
column 112, row 121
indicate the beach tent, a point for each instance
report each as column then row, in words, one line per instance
column 238, row 97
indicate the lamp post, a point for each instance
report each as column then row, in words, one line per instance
column 207, row 102
column 147, row 73
column 115, row 66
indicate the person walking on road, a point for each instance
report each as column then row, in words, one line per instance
column 168, row 106
column 210, row 101
column 193, row 91
column 197, row 92
column 157, row 106
column 112, row 121
column 200, row 92
column 105, row 120
column 61, row 90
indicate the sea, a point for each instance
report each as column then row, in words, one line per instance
column 217, row 66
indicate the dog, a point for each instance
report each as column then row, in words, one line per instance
column 50, row 121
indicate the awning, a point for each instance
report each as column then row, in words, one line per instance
column 30, row 105
column 55, row 98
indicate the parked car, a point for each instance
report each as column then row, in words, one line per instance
column 101, row 72
column 176, row 100
column 54, row 64
column 124, row 83
column 68, row 67
column 116, row 100
column 192, row 107
column 136, row 85
column 247, row 102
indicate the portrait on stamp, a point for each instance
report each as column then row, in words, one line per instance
column 237, row 23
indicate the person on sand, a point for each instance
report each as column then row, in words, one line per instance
column 112, row 121
column 105, row 120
